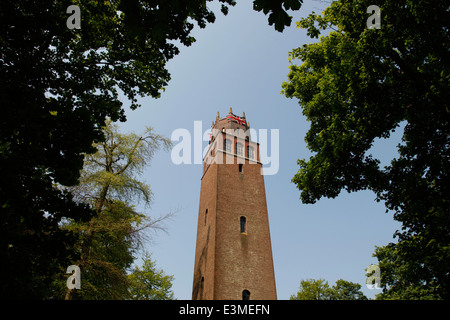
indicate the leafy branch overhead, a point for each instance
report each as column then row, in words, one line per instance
column 356, row 85
column 277, row 11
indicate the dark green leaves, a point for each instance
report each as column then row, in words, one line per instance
column 278, row 16
column 356, row 85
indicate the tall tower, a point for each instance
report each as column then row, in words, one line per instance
column 233, row 256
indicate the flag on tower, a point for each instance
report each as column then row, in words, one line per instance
column 237, row 119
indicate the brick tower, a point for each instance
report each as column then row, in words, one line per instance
column 233, row 256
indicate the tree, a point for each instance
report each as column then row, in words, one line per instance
column 397, row 277
column 346, row 290
column 57, row 87
column 108, row 184
column 359, row 84
column 148, row 283
column 311, row 289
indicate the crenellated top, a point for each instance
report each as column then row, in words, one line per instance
column 230, row 142
column 231, row 121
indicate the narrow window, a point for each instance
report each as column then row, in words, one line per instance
column 202, row 285
column 250, row 152
column 243, row 225
column 239, row 149
column 206, row 216
column 240, row 167
column 245, row 295
column 227, row 145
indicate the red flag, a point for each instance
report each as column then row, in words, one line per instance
column 236, row 118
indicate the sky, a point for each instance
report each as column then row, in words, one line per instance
column 240, row 62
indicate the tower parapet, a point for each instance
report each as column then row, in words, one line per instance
column 230, row 142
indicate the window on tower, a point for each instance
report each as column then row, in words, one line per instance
column 245, row 295
column 227, row 145
column 250, row 152
column 202, row 287
column 243, row 224
column 239, row 149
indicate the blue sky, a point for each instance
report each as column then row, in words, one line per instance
column 240, row 62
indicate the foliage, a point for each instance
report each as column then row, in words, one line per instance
column 278, row 16
column 108, row 242
column 398, row 277
column 311, row 289
column 57, row 87
column 107, row 246
column 148, row 283
column 346, row 290
column 358, row 84
column 111, row 171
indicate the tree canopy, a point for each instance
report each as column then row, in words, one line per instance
column 149, row 283
column 109, row 184
column 311, row 289
column 57, row 88
column 358, row 84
